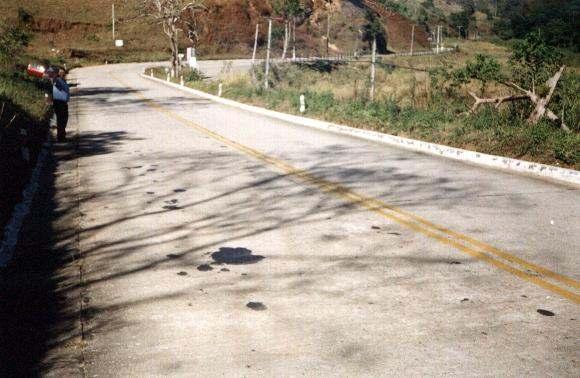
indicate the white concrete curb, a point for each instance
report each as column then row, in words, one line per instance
column 12, row 229
column 569, row 176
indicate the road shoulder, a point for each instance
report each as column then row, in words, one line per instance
column 41, row 302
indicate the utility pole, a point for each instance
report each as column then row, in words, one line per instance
column 412, row 39
column 113, row 18
column 255, row 44
column 266, row 83
column 373, row 60
column 294, row 38
column 438, row 39
column 328, row 34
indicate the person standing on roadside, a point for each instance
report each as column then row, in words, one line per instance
column 60, row 99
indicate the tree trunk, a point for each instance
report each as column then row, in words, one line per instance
column 175, row 54
column 540, row 108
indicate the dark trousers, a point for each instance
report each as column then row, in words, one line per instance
column 61, row 111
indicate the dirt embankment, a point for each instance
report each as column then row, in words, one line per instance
column 52, row 25
column 230, row 24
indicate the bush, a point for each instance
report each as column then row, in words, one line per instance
column 191, row 74
column 483, row 68
column 13, row 40
column 534, row 61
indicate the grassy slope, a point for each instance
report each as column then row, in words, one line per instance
column 408, row 105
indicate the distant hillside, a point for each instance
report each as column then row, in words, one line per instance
column 83, row 28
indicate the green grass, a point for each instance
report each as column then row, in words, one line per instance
column 24, row 93
column 331, row 97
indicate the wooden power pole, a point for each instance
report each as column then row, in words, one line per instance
column 255, row 44
column 328, row 34
column 266, row 82
column 113, row 19
column 373, row 60
column 412, row 39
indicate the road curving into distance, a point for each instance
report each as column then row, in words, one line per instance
column 220, row 242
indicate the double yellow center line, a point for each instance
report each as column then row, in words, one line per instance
column 545, row 278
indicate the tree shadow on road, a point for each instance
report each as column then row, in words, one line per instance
column 40, row 298
column 177, row 211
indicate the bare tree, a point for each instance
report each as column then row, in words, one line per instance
column 170, row 14
column 540, row 103
column 288, row 10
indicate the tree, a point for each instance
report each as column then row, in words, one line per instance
column 534, row 61
column 289, row 10
column 374, row 31
column 556, row 19
column 461, row 22
column 170, row 15
column 483, row 68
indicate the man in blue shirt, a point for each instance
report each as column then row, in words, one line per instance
column 60, row 99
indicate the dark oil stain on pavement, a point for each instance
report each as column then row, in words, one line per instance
column 235, row 256
column 204, row 268
column 545, row 312
column 182, row 274
column 256, row 306
column 179, row 190
column 171, row 207
column 173, row 256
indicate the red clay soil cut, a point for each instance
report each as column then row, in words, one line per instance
column 230, row 23
column 52, row 25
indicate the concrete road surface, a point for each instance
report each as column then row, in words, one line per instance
column 215, row 242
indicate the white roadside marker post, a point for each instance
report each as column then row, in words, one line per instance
column 302, row 104
column 220, row 87
column 181, row 81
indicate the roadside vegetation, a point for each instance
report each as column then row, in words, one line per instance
column 23, row 118
column 428, row 98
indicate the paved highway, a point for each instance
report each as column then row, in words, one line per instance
column 216, row 242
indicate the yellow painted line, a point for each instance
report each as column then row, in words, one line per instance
column 463, row 243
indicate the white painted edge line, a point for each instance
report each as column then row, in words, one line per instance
column 21, row 210
column 564, row 175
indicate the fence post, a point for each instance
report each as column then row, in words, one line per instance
column 373, row 60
